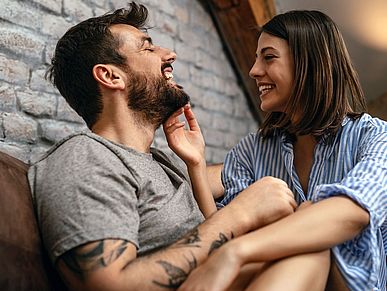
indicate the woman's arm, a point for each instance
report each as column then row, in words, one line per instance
column 214, row 178
column 189, row 145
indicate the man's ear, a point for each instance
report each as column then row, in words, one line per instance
column 109, row 76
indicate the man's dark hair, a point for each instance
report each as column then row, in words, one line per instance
column 326, row 86
column 80, row 49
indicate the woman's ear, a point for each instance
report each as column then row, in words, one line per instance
column 109, row 76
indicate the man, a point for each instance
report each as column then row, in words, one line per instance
column 114, row 213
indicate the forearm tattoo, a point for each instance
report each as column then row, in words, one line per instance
column 219, row 242
column 94, row 256
column 176, row 275
column 192, row 239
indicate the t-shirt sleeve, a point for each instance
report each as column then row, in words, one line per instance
column 84, row 193
column 366, row 184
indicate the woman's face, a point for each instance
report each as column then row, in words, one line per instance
column 273, row 71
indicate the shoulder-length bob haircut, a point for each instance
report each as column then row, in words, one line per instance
column 326, row 87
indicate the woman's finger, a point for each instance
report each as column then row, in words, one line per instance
column 191, row 119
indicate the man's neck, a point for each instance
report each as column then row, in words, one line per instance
column 126, row 130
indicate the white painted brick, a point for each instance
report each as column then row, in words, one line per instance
column 214, row 137
column 202, row 78
column 168, row 7
column 241, row 108
column 100, row 11
column 191, row 37
column 232, row 87
column 221, row 122
column 39, row 83
column 19, row 128
column 182, row 14
column 49, row 52
column 18, row 151
column 13, row 71
column 238, row 126
column 203, row 116
column 253, row 125
column 117, row 4
column 55, row 26
column 77, row 10
column 219, row 155
column 218, row 102
column 162, row 39
column 165, row 23
column 103, row 4
column 195, row 92
column 21, row 13
column 54, row 131
column 21, row 42
column 232, row 140
column 184, row 52
column 37, row 153
column 200, row 18
column 180, row 70
column 66, row 113
column 53, row 5
column 36, row 103
column 7, row 98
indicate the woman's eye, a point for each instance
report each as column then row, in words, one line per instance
column 269, row 57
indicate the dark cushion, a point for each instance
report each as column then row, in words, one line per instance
column 23, row 263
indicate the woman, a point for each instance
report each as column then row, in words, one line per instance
column 317, row 138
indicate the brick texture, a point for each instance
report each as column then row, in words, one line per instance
column 33, row 115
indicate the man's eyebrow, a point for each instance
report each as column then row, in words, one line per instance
column 145, row 39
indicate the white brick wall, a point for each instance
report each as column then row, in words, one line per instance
column 33, row 115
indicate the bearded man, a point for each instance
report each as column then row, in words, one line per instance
column 116, row 214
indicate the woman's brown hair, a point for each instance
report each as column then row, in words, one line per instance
column 326, row 87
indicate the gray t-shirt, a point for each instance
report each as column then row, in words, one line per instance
column 87, row 188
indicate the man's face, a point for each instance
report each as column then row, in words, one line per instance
column 151, row 89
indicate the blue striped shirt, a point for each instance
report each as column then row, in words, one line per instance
column 354, row 164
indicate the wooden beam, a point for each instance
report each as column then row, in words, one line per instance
column 237, row 22
column 263, row 10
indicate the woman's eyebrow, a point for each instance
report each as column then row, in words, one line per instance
column 263, row 50
column 267, row 48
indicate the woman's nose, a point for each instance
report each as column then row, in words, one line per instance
column 256, row 70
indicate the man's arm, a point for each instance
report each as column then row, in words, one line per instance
column 113, row 265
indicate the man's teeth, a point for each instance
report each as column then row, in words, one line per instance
column 168, row 75
column 264, row 88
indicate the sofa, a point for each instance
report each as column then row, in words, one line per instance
column 23, row 263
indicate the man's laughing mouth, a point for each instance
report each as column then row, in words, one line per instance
column 166, row 70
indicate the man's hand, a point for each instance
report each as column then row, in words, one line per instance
column 216, row 274
column 263, row 202
column 188, row 144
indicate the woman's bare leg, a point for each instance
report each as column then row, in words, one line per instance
column 298, row 273
column 247, row 273
column 336, row 281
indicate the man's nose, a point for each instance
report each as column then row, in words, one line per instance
column 168, row 55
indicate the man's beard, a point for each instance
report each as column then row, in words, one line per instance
column 154, row 99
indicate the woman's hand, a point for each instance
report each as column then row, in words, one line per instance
column 188, row 144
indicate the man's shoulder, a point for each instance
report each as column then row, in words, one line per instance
column 80, row 146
